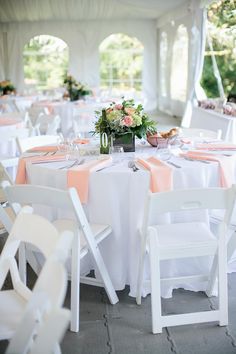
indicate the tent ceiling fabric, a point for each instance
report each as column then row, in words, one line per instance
column 43, row 10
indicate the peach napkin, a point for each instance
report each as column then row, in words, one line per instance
column 21, row 170
column 226, row 165
column 48, row 148
column 78, row 176
column 9, row 121
column 219, row 146
column 161, row 174
column 81, row 141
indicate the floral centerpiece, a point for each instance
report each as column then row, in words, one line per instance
column 75, row 89
column 121, row 123
column 6, row 87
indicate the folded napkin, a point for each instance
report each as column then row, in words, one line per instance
column 78, row 176
column 218, row 146
column 9, row 121
column 21, row 170
column 226, row 165
column 161, row 174
column 81, row 141
column 48, row 148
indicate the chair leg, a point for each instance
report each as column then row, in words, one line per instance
column 22, row 262
column 105, row 276
column 140, row 271
column 155, row 284
column 75, row 284
column 212, row 279
column 230, row 250
column 223, row 286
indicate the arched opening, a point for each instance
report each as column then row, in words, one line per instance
column 121, row 64
column 179, row 66
column 45, row 62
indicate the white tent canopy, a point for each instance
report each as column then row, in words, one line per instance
column 84, row 24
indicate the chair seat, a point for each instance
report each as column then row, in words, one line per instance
column 99, row 231
column 9, row 320
column 184, row 237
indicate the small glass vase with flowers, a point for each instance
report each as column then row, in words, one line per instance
column 120, row 123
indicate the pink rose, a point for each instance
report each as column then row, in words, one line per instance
column 127, row 121
column 118, row 106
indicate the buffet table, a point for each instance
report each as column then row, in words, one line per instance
column 117, row 196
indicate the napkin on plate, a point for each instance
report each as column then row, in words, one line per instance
column 21, row 170
column 226, row 165
column 45, row 148
column 78, row 176
column 219, row 146
column 161, row 174
column 81, row 141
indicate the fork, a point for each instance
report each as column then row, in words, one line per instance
column 173, row 164
column 75, row 163
column 193, row 160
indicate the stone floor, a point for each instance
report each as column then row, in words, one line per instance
column 125, row 328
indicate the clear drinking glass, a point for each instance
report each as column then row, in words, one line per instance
column 117, row 152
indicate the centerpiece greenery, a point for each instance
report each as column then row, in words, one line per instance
column 6, row 87
column 122, row 122
column 75, row 89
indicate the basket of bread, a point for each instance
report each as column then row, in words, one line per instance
column 163, row 139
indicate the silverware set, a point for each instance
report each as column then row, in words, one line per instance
column 131, row 164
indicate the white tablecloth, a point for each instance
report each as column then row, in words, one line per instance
column 116, row 197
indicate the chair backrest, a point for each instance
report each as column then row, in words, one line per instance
column 68, row 200
column 189, row 200
column 54, row 126
column 34, row 230
column 48, row 124
column 34, row 112
column 34, row 141
column 44, row 321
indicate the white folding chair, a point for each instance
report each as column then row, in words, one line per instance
column 87, row 236
column 48, row 124
column 40, row 233
column 216, row 218
column 185, row 240
column 35, row 111
column 6, row 214
column 44, row 321
column 34, row 141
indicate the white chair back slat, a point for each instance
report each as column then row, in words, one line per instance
column 34, row 141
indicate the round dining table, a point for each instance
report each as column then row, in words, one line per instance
column 117, row 196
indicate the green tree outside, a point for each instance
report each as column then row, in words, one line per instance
column 222, row 30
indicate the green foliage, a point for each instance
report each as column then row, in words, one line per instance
column 6, row 87
column 124, row 118
column 222, row 29
column 75, row 89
